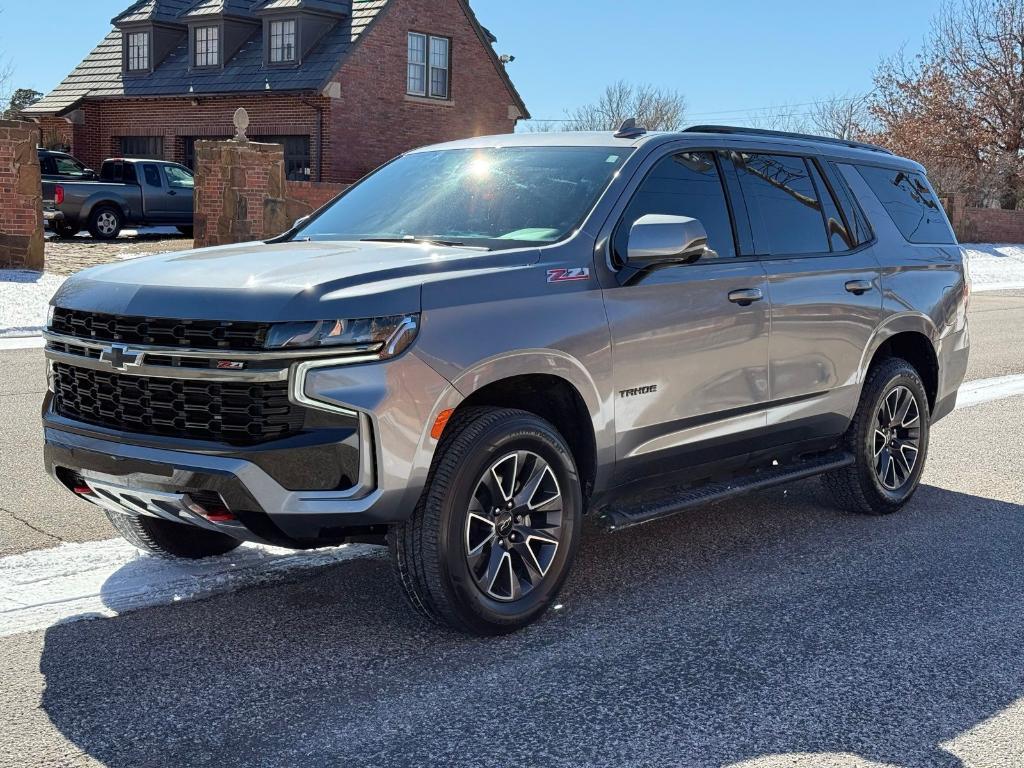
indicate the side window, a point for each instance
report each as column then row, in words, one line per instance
column 687, row 184
column 855, row 216
column 152, row 175
column 909, row 200
column 784, row 208
column 178, row 178
column 68, row 166
column 839, row 235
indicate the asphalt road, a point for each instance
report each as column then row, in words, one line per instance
column 770, row 631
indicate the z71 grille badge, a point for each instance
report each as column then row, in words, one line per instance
column 568, row 275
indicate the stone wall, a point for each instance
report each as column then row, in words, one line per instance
column 21, row 197
column 240, row 192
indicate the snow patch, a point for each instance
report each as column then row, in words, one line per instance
column 995, row 267
column 24, row 297
column 107, row 578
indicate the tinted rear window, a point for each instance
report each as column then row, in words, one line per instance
column 909, row 200
column 783, row 203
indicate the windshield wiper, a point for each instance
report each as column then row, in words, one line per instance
column 415, row 240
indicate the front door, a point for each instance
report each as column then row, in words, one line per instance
column 179, row 186
column 689, row 342
column 823, row 282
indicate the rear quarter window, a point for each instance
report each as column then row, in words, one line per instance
column 910, row 202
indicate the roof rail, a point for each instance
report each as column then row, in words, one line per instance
column 731, row 129
column 629, row 129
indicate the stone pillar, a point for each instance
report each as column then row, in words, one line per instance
column 21, row 197
column 240, row 192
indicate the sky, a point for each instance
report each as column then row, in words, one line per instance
column 730, row 58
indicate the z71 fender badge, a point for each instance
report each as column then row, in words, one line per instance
column 568, row 275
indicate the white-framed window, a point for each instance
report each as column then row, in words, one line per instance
column 429, row 66
column 206, row 46
column 138, row 51
column 283, row 41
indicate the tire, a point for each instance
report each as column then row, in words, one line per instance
column 173, row 541
column 871, row 486
column 445, row 553
column 186, row 231
column 105, row 223
column 65, row 231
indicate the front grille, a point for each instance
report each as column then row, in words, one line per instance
column 164, row 332
column 239, row 414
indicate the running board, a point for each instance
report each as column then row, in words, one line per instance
column 643, row 509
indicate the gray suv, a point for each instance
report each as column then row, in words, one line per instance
column 484, row 341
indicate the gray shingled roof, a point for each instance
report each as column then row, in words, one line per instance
column 153, row 10
column 100, row 74
column 213, row 7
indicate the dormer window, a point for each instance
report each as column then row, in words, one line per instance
column 283, row 43
column 429, row 66
column 206, row 46
column 138, row 52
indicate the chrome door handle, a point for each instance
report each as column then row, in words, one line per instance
column 745, row 296
column 859, row 286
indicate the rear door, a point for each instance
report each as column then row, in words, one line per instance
column 690, row 362
column 824, row 286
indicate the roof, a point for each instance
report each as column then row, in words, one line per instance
column 738, row 138
column 100, row 74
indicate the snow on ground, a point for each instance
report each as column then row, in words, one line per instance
column 107, row 578
column 995, row 267
column 24, row 295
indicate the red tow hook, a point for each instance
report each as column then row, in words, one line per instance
column 82, row 490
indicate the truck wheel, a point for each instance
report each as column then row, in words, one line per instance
column 889, row 438
column 105, row 223
column 64, row 231
column 496, row 530
column 170, row 540
column 186, row 231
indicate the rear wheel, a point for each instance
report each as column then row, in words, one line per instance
column 170, row 540
column 105, row 223
column 888, row 438
column 493, row 537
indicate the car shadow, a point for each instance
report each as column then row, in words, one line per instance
column 767, row 626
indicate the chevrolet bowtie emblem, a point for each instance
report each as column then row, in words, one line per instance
column 120, row 357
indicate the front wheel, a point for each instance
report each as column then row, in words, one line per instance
column 889, row 440
column 186, row 231
column 493, row 537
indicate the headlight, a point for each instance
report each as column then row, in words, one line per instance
column 49, row 316
column 385, row 336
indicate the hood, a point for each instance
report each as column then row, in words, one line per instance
column 277, row 282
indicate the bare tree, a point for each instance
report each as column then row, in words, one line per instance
column 656, row 109
column 841, row 117
column 779, row 118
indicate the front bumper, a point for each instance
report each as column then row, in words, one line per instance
column 395, row 403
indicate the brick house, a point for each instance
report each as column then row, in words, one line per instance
column 344, row 85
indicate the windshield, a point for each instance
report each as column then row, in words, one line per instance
column 489, row 197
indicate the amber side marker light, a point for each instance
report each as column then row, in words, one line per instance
column 441, row 423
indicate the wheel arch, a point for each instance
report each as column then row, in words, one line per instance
column 911, row 337
column 101, row 201
column 556, row 399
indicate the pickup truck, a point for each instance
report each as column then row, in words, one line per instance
column 137, row 192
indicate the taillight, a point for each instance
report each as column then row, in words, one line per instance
column 58, row 195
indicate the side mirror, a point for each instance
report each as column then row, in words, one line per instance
column 90, row 174
column 657, row 240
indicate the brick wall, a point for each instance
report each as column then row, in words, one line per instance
column 374, row 120
column 240, row 192
column 176, row 120
column 21, row 197
column 983, row 225
column 304, row 197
